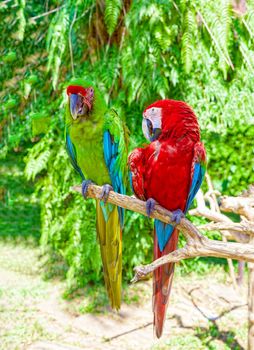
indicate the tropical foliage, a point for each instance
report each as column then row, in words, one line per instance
column 136, row 52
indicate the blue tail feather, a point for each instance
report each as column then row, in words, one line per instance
column 163, row 232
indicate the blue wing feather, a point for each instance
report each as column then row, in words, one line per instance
column 198, row 175
column 72, row 154
column 163, row 232
column 110, row 155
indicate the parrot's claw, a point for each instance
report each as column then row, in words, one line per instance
column 85, row 185
column 105, row 192
column 150, row 204
column 177, row 215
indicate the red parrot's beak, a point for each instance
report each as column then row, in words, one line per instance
column 155, row 134
column 151, row 132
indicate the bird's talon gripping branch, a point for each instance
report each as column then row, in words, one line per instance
column 85, row 185
column 150, row 204
column 105, row 192
column 177, row 215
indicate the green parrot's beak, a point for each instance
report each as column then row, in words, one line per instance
column 74, row 105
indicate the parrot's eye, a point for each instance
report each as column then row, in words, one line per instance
column 90, row 92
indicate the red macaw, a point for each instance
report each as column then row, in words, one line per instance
column 168, row 171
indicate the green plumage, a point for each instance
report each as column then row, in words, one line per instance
column 102, row 166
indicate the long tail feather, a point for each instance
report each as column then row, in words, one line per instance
column 110, row 238
column 162, row 282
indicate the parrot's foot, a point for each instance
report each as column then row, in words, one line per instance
column 85, row 185
column 105, row 192
column 177, row 215
column 150, row 204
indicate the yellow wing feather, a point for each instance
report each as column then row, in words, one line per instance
column 110, row 239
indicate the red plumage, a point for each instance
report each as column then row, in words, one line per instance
column 163, row 171
column 76, row 89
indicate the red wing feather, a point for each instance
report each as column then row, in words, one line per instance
column 136, row 167
column 162, row 282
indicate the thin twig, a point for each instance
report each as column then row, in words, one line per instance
column 209, row 318
column 216, row 207
column 227, row 59
column 47, row 13
column 70, row 42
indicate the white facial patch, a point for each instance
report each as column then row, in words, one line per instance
column 154, row 114
column 145, row 129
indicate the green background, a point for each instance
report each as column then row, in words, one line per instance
column 135, row 52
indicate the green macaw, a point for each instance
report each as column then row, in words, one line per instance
column 96, row 141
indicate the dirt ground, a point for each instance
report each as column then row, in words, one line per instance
column 205, row 313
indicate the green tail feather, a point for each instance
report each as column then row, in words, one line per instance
column 110, row 239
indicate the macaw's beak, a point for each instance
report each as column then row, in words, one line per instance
column 74, row 105
column 156, row 134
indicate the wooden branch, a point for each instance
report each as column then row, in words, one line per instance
column 197, row 244
column 239, row 205
column 246, row 227
column 206, row 247
column 127, row 202
column 249, row 192
column 215, row 206
column 211, row 215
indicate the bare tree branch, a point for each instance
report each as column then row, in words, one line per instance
column 215, row 206
column 239, row 205
column 211, row 215
column 246, row 227
column 197, row 244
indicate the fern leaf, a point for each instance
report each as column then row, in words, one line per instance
column 248, row 22
column 112, row 12
column 188, row 40
column 56, row 43
column 35, row 166
column 247, row 56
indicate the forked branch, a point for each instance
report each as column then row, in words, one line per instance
column 197, row 244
